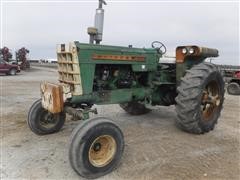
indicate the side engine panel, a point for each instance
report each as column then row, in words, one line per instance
column 114, row 67
column 112, row 76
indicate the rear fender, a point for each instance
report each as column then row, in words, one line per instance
column 188, row 56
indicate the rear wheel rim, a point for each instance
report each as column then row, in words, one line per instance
column 210, row 100
column 102, row 151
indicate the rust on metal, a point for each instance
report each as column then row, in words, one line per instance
column 118, row 57
column 197, row 52
column 180, row 57
column 52, row 97
column 210, row 100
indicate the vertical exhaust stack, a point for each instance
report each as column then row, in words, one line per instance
column 96, row 32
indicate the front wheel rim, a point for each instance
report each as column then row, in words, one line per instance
column 48, row 120
column 102, row 151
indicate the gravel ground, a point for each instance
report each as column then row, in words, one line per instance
column 154, row 147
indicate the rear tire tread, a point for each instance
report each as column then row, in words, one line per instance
column 189, row 98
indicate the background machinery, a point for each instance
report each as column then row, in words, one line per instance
column 5, row 54
column 21, row 57
column 232, row 78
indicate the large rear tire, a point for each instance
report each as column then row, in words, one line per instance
column 96, row 147
column 200, row 98
column 134, row 108
column 42, row 122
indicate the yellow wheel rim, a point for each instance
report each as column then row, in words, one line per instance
column 211, row 100
column 102, row 151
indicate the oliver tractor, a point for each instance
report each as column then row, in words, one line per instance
column 135, row 79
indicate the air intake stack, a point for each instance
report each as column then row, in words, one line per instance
column 96, row 32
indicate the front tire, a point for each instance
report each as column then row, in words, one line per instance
column 12, row 72
column 200, row 98
column 96, row 147
column 134, row 108
column 42, row 122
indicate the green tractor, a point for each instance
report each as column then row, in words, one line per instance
column 134, row 78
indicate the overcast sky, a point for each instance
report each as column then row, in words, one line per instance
column 40, row 26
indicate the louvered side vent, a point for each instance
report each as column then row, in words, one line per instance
column 68, row 67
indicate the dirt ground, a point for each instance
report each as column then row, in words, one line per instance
column 154, row 147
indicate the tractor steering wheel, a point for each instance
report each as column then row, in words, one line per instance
column 159, row 46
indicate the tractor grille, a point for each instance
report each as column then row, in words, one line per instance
column 68, row 67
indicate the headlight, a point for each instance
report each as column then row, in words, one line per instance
column 184, row 50
column 191, row 50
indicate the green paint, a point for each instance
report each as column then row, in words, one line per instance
column 149, row 82
column 113, row 96
column 87, row 64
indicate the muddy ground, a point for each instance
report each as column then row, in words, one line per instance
column 154, row 147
